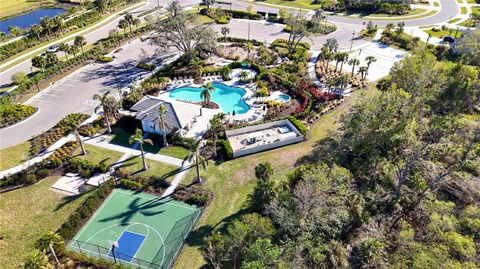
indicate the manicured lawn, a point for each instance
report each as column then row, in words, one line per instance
column 27, row 213
column 463, row 10
column 232, row 182
column 120, row 137
column 307, row 4
column 468, row 23
column 12, row 7
column 410, row 13
column 473, row 1
column 454, row 20
column 442, row 33
column 437, row 4
column 98, row 154
column 14, row 155
column 157, row 169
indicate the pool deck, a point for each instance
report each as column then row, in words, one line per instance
column 201, row 123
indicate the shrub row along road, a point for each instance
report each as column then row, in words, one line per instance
column 448, row 10
column 91, row 37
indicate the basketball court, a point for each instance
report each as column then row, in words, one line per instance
column 137, row 229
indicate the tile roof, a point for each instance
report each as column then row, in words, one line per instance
column 147, row 110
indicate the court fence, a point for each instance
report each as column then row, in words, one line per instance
column 165, row 257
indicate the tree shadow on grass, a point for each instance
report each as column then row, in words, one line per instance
column 322, row 150
column 197, row 236
column 69, row 199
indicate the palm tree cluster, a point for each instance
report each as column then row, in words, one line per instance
column 46, row 27
column 110, row 105
column 127, row 22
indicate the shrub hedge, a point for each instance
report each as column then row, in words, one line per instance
column 146, row 66
column 13, row 113
column 104, row 59
column 227, row 147
column 68, row 229
column 299, row 125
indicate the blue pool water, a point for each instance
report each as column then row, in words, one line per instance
column 28, row 19
column 283, row 98
column 228, row 98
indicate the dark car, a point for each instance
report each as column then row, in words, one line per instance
column 448, row 39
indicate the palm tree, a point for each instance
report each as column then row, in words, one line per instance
column 58, row 22
column 123, row 24
column 109, row 105
column 338, row 58
column 36, row 260
column 331, row 44
column 198, row 66
column 74, row 50
column 243, row 75
column 47, row 24
column 75, row 127
column 216, row 126
column 36, row 30
column 225, row 31
column 353, row 62
column 49, row 242
column 389, row 27
column 363, row 71
column 344, row 59
column 138, row 138
column 162, row 124
column 196, row 157
column 130, row 20
column 80, row 41
column 248, row 47
column 206, row 93
column 65, row 48
column 370, row 60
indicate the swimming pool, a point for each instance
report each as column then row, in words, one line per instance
column 228, row 98
column 283, row 98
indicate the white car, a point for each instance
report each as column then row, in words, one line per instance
column 53, row 49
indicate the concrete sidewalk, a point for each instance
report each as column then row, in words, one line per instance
column 99, row 141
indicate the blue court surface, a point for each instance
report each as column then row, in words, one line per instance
column 128, row 245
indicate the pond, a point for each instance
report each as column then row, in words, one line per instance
column 28, row 19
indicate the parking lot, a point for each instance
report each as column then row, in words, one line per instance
column 74, row 92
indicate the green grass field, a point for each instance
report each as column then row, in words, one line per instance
column 28, row 213
column 410, row 13
column 463, row 10
column 306, row 4
column 148, row 229
column 12, row 7
column 454, row 20
column 155, row 169
column 436, row 4
column 120, row 137
column 442, row 33
column 97, row 155
column 233, row 181
column 14, row 155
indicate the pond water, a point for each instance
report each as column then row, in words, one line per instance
column 28, row 19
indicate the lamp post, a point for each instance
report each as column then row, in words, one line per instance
column 351, row 44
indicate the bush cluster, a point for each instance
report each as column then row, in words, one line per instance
column 223, row 16
column 85, row 168
column 104, row 59
column 227, row 148
column 130, row 184
column 13, row 113
column 41, row 142
column 299, row 125
column 146, row 66
column 28, row 176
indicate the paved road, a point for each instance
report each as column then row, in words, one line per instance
column 449, row 10
column 74, row 93
column 268, row 32
column 5, row 76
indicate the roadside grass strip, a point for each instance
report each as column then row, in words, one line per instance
column 137, row 230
